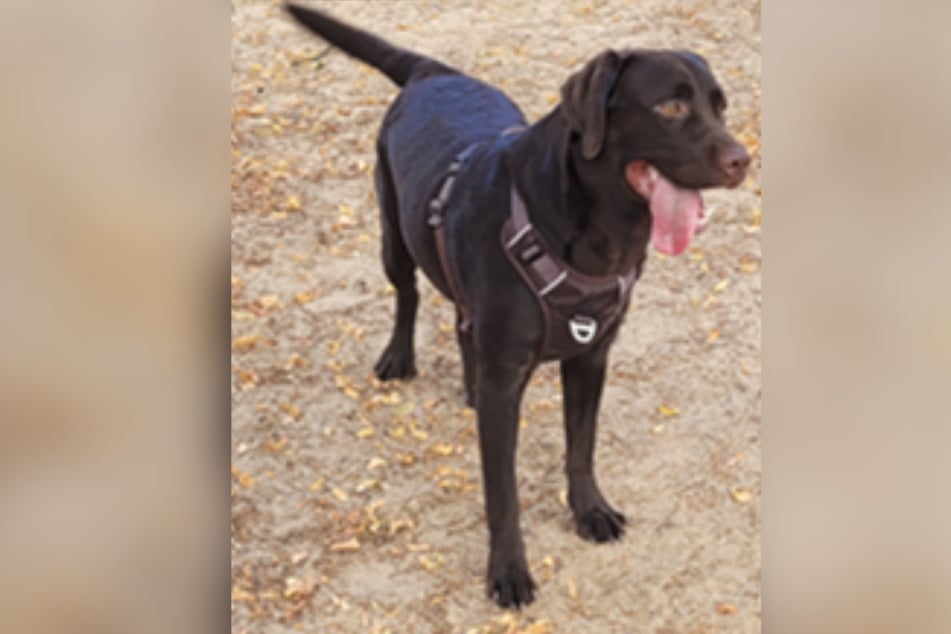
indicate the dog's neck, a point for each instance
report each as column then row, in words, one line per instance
column 583, row 209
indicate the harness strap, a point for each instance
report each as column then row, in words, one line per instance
column 437, row 209
column 559, row 287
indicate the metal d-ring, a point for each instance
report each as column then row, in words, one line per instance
column 583, row 329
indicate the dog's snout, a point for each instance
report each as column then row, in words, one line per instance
column 733, row 162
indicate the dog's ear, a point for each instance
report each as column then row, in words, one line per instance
column 584, row 100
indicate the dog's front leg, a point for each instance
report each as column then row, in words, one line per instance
column 582, row 379
column 500, row 390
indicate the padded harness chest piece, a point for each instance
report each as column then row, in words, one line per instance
column 578, row 308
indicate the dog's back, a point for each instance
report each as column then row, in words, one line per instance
column 438, row 113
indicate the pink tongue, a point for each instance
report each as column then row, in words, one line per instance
column 676, row 216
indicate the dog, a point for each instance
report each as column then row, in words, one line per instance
column 618, row 163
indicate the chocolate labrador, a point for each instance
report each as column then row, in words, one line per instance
column 523, row 226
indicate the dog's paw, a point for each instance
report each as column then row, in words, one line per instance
column 395, row 364
column 600, row 524
column 510, row 585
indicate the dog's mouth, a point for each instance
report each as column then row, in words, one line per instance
column 678, row 213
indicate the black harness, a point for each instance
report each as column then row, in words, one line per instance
column 577, row 308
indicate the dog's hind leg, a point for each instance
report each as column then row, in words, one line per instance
column 397, row 360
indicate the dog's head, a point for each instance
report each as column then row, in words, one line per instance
column 655, row 120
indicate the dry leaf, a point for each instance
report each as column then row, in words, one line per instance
column 296, row 361
column 273, row 446
column 657, row 429
column 396, row 525
column 243, row 479
column 292, row 203
column 668, row 411
column 404, row 408
column 349, row 545
column 726, row 608
column 317, row 484
column 572, row 589
column 339, row 493
column 741, row 494
column 375, row 463
column 296, row 587
column 269, row 301
column 291, row 410
column 397, row 432
column 431, row 562
column 304, row 297
column 247, row 379
column 366, row 432
column 748, row 265
column 245, row 342
column 367, row 484
column 721, row 286
column 441, row 449
column 543, row 626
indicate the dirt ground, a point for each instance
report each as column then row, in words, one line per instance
column 357, row 506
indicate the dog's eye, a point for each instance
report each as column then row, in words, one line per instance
column 673, row 109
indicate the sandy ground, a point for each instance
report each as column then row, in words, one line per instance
column 356, row 506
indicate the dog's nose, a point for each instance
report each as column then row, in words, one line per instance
column 733, row 161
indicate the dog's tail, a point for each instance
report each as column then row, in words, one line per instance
column 396, row 63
